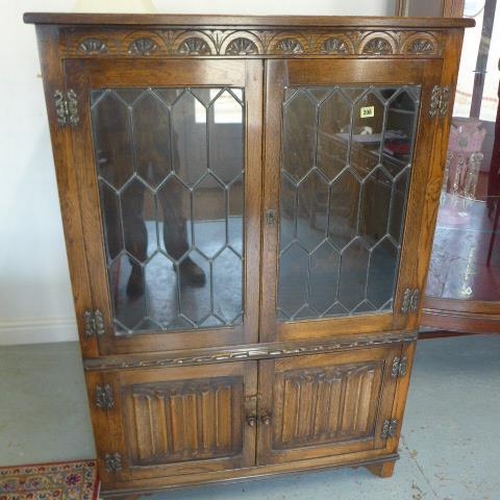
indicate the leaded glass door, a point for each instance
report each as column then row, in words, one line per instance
column 169, row 224
column 342, row 197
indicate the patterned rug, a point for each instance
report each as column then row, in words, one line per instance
column 57, row 481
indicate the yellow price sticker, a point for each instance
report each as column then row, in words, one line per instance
column 367, row 112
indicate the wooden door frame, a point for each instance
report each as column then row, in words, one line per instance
column 86, row 74
column 415, row 252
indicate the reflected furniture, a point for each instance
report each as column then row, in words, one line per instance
column 494, row 182
column 248, row 205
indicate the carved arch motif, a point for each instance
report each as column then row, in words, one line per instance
column 378, row 45
column 338, row 44
column 92, row 46
column 421, row 44
column 241, row 46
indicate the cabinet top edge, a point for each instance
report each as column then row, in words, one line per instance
column 77, row 19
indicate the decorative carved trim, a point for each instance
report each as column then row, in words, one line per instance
column 194, row 46
column 422, row 47
column 378, row 46
column 440, row 97
column 389, row 429
column 266, row 42
column 104, row 397
column 241, row 47
column 92, row 46
column 142, row 47
column 423, row 44
column 290, row 46
column 258, row 352
column 113, row 462
column 334, row 45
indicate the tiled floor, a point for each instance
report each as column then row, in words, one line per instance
column 450, row 449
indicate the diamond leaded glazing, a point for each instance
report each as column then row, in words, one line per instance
column 170, row 168
column 347, row 155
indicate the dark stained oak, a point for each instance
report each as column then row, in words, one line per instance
column 226, row 395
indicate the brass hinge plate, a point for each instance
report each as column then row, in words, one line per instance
column 93, row 323
column 439, row 105
column 113, row 462
column 104, row 397
column 399, row 366
column 389, row 429
column 66, row 104
column 411, row 299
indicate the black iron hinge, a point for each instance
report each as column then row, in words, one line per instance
column 399, row 366
column 411, row 300
column 389, row 429
column 104, row 397
column 113, row 462
column 93, row 323
column 439, row 105
column 66, row 104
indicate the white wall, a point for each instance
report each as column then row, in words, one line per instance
column 35, row 295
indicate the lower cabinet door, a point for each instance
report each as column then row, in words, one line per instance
column 172, row 422
column 325, row 405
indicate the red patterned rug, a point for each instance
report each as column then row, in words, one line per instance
column 58, row 481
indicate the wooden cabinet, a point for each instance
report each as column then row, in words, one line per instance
column 248, row 206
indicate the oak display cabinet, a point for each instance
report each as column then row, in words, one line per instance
column 248, row 205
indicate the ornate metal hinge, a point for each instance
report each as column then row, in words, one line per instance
column 389, row 429
column 399, row 366
column 104, row 397
column 440, row 97
column 66, row 107
column 94, row 323
column 113, row 462
column 411, row 299
column 271, row 217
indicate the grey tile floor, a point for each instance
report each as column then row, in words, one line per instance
column 450, row 447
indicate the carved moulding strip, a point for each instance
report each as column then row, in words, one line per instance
column 264, row 351
column 247, row 42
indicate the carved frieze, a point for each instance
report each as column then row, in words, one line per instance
column 265, row 42
column 262, row 352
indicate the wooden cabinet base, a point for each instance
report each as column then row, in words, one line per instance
column 383, row 464
column 385, row 469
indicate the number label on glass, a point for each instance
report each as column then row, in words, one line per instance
column 367, row 112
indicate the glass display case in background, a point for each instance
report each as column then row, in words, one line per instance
column 463, row 286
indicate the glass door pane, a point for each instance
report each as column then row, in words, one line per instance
column 347, row 157
column 170, row 168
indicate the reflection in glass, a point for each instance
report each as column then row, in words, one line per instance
column 170, row 168
column 347, row 155
column 465, row 263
